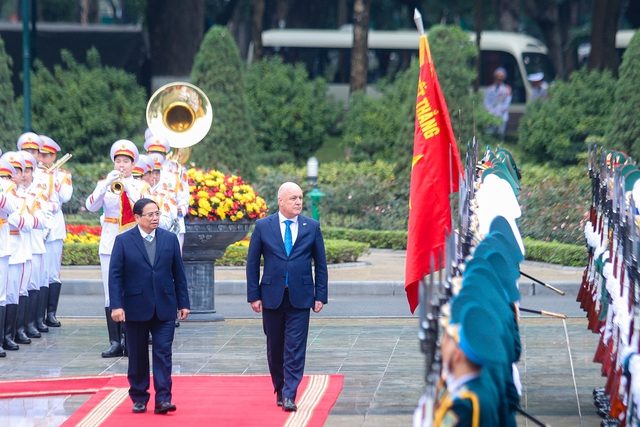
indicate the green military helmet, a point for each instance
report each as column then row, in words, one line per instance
column 499, row 164
column 501, row 174
column 480, row 335
column 484, row 268
column 504, row 153
column 501, row 224
column 626, row 168
column 514, row 249
column 502, row 262
column 630, row 179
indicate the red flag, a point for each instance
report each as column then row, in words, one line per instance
column 435, row 172
column 127, row 220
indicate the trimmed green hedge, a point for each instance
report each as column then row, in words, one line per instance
column 80, row 254
column 387, row 239
column 338, row 251
column 555, row 253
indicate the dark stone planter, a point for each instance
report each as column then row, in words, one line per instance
column 204, row 242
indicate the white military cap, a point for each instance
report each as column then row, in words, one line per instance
column 29, row 140
column 29, row 160
column 16, row 160
column 124, row 147
column 535, row 77
column 141, row 167
column 157, row 144
column 49, row 145
column 6, row 168
column 157, row 160
column 148, row 134
column 148, row 162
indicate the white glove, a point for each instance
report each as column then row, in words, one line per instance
column 112, row 177
column 48, row 219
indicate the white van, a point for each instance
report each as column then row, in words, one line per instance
column 327, row 53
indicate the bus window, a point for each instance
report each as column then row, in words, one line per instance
column 492, row 59
column 538, row 63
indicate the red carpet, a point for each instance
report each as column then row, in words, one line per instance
column 202, row 400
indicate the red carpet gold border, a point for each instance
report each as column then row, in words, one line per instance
column 104, row 409
column 310, row 399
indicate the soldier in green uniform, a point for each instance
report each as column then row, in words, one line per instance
column 468, row 396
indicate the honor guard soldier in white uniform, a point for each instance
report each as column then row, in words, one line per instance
column 32, row 144
column 116, row 195
column 38, row 190
column 21, row 222
column 62, row 192
column 173, row 179
column 8, row 204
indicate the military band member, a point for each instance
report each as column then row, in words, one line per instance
column 173, row 179
column 38, row 192
column 62, row 192
column 164, row 197
column 115, row 195
column 21, row 222
column 8, row 204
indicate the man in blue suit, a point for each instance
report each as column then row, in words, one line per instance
column 147, row 287
column 289, row 242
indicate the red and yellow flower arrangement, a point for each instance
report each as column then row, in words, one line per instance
column 216, row 196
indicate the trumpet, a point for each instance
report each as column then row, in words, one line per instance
column 117, row 187
column 59, row 163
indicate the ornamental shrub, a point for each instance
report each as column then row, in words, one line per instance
column 555, row 203
column 357, row 195
column 291, row 114
column 230, row 145
column 554, row 130
column 555, row 253
column 623, row 131
column 9, row 119
column 86, row 108
column 85, row 177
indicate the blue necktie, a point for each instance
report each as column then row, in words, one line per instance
column 288, row 238
column 149, row 238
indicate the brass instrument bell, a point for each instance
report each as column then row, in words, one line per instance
column 180, row 112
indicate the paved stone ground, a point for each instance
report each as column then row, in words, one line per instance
column 379, row 358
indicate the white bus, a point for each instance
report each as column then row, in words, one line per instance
column 327, row 53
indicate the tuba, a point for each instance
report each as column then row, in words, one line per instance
column 180, row 112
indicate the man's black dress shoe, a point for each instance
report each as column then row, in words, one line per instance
column 139, row 407
column 279, row 397
column 289, row 405
column 164, row 407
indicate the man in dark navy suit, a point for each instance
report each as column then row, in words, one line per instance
column 147, row 287
column 289, row 242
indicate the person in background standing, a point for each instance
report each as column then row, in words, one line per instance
column 497, row 100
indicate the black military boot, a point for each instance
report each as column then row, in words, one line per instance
column 2, row 314
column 23, row 308
column 115, row 335
column 10, row 319
column 43, row 301
column 52, row 307
column 32, row 313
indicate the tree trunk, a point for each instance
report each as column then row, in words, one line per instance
column 476, row 83
column 89, row 11
column 549, row 17
column 175, row 32
column 358, row 79
column 508, row 12
column 603, row 35
column 256, row 30
column 570, row 16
